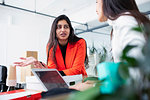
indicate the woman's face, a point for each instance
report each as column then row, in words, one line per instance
column 63, row 30
column 99, row 11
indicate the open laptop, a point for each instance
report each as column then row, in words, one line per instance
column 49, row 78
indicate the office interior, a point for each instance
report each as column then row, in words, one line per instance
column 25, row 26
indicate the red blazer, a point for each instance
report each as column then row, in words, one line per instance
column 75, row 57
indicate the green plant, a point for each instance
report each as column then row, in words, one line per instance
column 89, row 94
column 140, row 86
column 92, row 49
column 136, row 89
column 102, row 55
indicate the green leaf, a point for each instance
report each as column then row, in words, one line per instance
column 92, row 49
column 128, row 48
column 138, row 29
column 103, row 55
column 91, row 79
column 89, row 94
column 132, row 61
column 123, row 93
column 123, row 71
column 95, row 80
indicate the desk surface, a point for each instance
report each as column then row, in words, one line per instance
column 17, row 94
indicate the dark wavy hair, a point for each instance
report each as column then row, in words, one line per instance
column 114, row 8
column 53, row 41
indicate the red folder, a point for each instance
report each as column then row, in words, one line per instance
column 21, row 95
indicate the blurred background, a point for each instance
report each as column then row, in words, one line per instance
column 25, row 26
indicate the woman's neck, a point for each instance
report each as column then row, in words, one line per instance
column 63, row 42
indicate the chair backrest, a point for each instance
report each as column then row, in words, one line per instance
column 3, row 76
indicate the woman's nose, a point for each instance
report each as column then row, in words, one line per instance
column 62, row 29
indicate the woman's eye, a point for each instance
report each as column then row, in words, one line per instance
column 66, row 26
column 59, row 26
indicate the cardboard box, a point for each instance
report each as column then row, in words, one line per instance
column 22, row 72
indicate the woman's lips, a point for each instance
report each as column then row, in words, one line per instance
column 63, row 34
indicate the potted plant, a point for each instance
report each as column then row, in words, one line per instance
column 136, row 89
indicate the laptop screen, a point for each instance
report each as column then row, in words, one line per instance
column 50, row 78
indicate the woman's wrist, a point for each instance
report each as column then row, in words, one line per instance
column 37, row 64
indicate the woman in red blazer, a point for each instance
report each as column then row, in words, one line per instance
column 74, row 58
column 65, row 51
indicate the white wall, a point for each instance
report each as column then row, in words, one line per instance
column 21, row 31
column 99, row 41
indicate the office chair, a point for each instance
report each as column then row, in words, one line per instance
column 3, row 76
